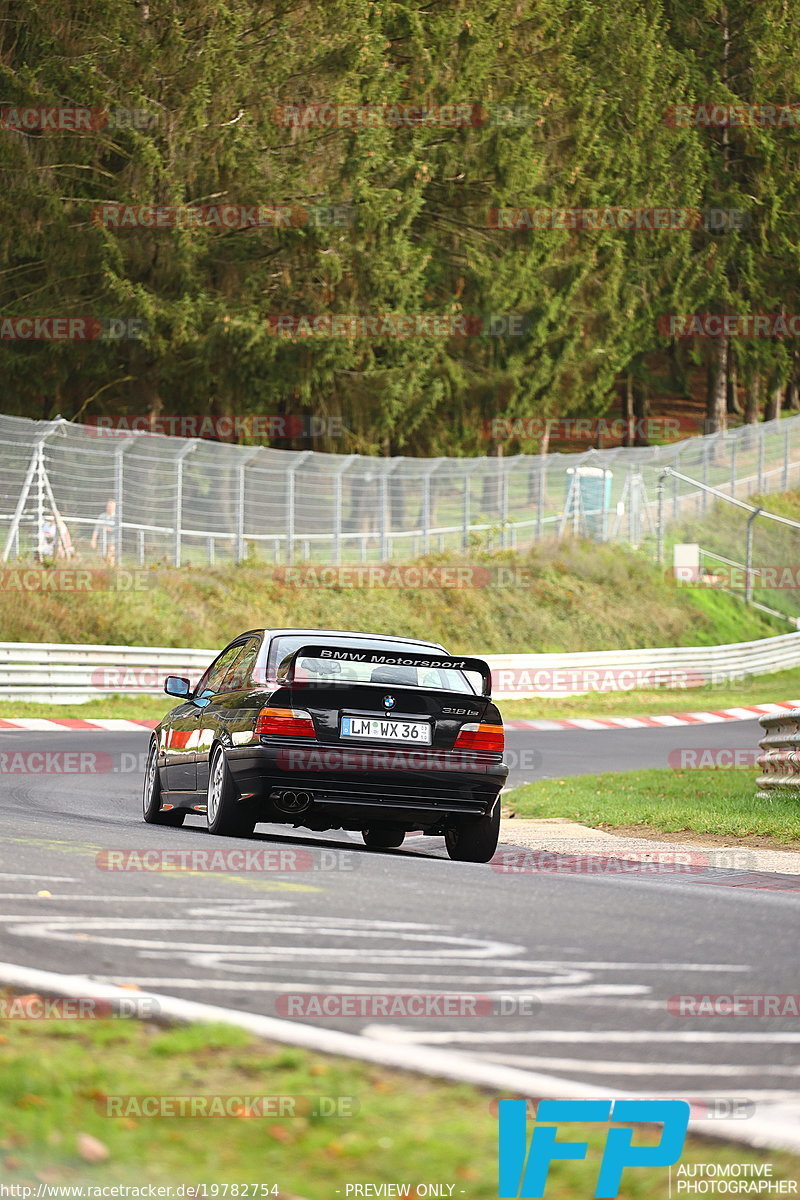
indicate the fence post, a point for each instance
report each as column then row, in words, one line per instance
column 240, row 547
column 705, row 474
column 384, row 522
column 540, row 496
column 23, row 495
column 337, row 507
column 786, row 456
column 748, row 561
column 660, row 517
column 466, row 513
column 760, row 457
column 187, row 449
column 734, row 444
column 118, row 490
column 290, row 503
column 503, row 501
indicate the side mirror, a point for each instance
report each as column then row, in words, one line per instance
column 174, row 685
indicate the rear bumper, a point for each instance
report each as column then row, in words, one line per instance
column 420, row 786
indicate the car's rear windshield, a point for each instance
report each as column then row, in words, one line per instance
column 308, row 669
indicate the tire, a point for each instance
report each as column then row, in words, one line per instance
column 474, row 841
column 383, row 837
column 223, row 814
column 151, row 795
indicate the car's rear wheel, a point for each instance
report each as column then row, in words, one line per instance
column 383, row 837
column 224, row 815
column 151, row 795
column 474, row 841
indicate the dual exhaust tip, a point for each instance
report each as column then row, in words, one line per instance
column 291, row 801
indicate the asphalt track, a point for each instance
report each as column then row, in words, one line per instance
column 580, row 966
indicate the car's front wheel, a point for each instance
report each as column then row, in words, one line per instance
column 223, row 813
column 151, row 795
column 474, row 841
column 383, row 837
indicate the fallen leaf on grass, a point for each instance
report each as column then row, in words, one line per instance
column 91, row 1149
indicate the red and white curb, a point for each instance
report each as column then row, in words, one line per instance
column 711, row 717
column 775, row 1131
column 42, row 725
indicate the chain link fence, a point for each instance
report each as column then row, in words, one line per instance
column 73, row 490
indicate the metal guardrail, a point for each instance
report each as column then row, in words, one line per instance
column 62, row 674
column 780, row 762
column 56, row 673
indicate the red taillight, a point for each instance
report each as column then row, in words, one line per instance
column 284, row 722
column 480, row 737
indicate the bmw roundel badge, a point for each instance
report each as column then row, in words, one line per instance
column 388, row 701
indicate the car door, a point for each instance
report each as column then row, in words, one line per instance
column 222, row 717
column 181, row 741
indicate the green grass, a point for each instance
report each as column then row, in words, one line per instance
column 56, row 1077
column 722, row 530
column 756, row 689
column 128, row 708
column 573, row 596
column 702, row 800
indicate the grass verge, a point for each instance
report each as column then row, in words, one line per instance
column 555, row 597
column 704, row 800
column 57, row 1077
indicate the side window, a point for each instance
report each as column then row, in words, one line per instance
column 212, row 680
column 239, row 673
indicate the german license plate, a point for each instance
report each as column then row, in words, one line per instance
column 417, row 733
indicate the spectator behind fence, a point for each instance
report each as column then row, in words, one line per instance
column 104, row 528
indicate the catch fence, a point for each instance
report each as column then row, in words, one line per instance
column 146, row 498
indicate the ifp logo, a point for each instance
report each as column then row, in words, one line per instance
column 523, row 1171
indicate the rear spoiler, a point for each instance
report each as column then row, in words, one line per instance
column 390, row 658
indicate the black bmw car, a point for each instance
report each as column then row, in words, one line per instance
column 334, row 730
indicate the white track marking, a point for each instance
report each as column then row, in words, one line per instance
column 21, row 875
column 594, row 1066
column 582, row 1036
column 775, row 1130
